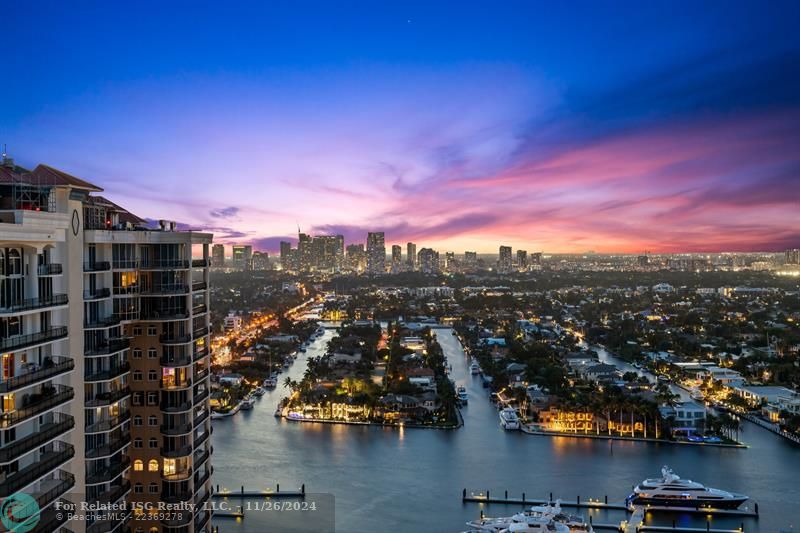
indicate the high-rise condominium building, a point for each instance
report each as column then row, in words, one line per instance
column 470, row 261
column 536, row 259
column 792, row 256
column 376, row 253
column 104, row 339
column 522, row 260
column 304, row 252
column 397, row 258
column 288, row 256
column 428, row 261
column 242, row 257
column 450, row 262
column 327, row 253
column 218, row 256
column 356, row 258
column 260, row 261
column 504, row 263
column 411, row 256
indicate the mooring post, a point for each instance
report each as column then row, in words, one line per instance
column 708, row 525
column 303, row 489
column 481, row 514
column 551, row 497
column 673, row 523
column 506, row 497
column 579, row 500
column 487, row 494
column 606, row 499
column 464, row 494
column 217, row 487
column 277, row 487
column 242, row 489
column 523, row 497
column 756, row 509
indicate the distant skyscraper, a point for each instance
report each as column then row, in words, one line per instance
column 242, row 256
column 376, row 253
column 356, row 258
column 504, row 263
column 304, row 252
column 287, row 256
column 793, row 256
column 397, row 257
column 450, row 263
column 536, row 259
column 260, row 261
column 470, row 261
column 643, row 260
column 218, row 255
column 411, row 256
column 428, row 261
column 522, row 260
column 327, row 253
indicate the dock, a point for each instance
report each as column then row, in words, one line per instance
column 264, row 493
column 589, row 503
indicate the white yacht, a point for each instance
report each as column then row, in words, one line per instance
column 247, row 403
column 474, row 368
column 671, row 491
column 259, row 391
column 509, row 419
column 270, row 383
column 520, row 522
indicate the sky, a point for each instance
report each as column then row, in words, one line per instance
column 606, row 126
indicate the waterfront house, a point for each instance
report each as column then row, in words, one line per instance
column 231, row 379
column 685, row 415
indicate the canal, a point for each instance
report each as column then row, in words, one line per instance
column 411, row 480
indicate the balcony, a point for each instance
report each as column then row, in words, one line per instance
column 37, row 403
column 199, row 309
column 110, row 473
column 176, row 497
column 200, row 263
column 174, row 338
column 201, row 375
column 19, row 342
column 202, row 417
column 31, row 304
column 175, row 360
column 171, row 384
column 109, row 374
column 112, row 495
column 106, row 450
column 107, row 398
column 51, row 519
column 163, row 264
column 50, row 269
column 52, row 366
column 199, row 286
column 104, row 426
column 54, row 487
column 205, row 476
column 48, row 461
column 177, row 476
column 202, row 519
column 183, row 451
column 113, row 345
column 200, row 354
column 96, row 266
column 47, row 432
column 97, row 294
column 180, row 518
column 165, row 289
column 163, row 314
column 200, row 458
column 101, row 323
column 199, row 440
column 201, row 332
column 174, row 430
column 200, row 396
column 125, row 264
column 175, row 407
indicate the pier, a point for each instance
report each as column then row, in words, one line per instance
column 264, row 493
column 588, row 503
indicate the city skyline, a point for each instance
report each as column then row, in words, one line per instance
column 460, row 130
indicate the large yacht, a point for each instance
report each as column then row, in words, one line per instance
column 509, row 419
column 537, row 516
column 672, row 491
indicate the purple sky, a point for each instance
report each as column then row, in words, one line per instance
column 537, row 127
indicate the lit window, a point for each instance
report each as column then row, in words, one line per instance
column 138, row 465
column 152, row 466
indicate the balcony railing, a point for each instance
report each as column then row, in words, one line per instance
column 96, row 266
column 101, row 323
column 202, row 519
column 198, row 441
column 175, row 407
column 22, row 341
column 174, row 338
column 165, row 289
column 200, row 396
column 200, row 458
column 156, row 264
column 199, row 419
column 165, row 314
column 112, row 495
column 47, row 461
column 201, row 332
column 96, row 294
column 37, row 403
column 181, row 429
column 107, row 398
column 46, row 433
column 201, row 375
column 175, row 385
column 109, row 374
column 199, row 481
column 112, row 447
column 200, row 263
column 125, row 264
column 65, row 482
column 51, row 518
column 108, row 424
column 35, row 303
column 50, row 269
column 183, row 451
column 175, row 360
column 201, row 353
column 199, row 309
column 199, row 286
column 112, row 346
column 52, row 366
column 176, row 497
column 108, row 474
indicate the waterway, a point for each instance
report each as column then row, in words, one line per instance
column 410, row 480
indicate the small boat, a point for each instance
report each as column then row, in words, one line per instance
column 672, row 491
column 270, row 383
column 260, row 391
column 247, row 403
column 474, row 369
column 509, row 419
column 462, row 395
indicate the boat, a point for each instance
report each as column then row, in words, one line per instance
column 270, row 383
column 549, row 516
column 671, row 491
column 462, row 394
column 215, row 415
column 474, row 368
column 247, row 403
column 259, row 391
column 509, row 419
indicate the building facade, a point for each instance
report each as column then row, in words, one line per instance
column 376, row 253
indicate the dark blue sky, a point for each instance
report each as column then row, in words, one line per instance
column 305, row 107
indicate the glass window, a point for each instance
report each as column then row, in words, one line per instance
column 152, row 466
column 138, row 465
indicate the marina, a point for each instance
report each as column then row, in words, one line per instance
column 399, row 466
